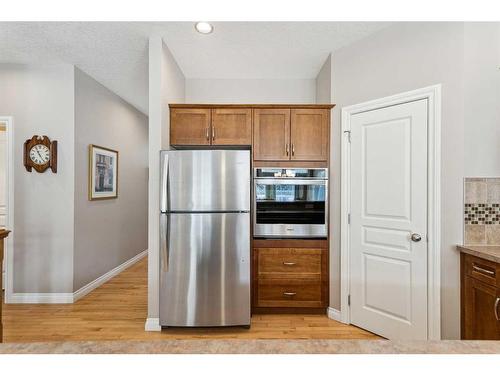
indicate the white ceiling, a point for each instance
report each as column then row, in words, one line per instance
column 115, row 53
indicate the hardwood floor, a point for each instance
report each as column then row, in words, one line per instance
column 117, row 311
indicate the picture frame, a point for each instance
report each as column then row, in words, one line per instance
column 103, row 173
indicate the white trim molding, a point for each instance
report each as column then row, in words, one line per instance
column 433, row 96
column 333, row 314
column 41, row 298
column 152, row 325
column 83, row 291
column 86, row 289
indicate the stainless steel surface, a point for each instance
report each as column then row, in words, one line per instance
column 164, row 182
column 277, row 230
column 208, row 278
column 207, row 180
column 483, row 270
column 205, row 238
column 497, row 301
column 164, row 241
column 415, row 237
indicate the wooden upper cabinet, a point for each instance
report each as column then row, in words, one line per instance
column 271, row 134
column 231, row 126
column 190, row 126
column 309, row 134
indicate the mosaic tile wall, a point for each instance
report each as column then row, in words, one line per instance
column 482, row 211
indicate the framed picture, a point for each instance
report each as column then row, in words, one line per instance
column 103, row 173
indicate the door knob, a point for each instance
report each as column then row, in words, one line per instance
column 415, row 237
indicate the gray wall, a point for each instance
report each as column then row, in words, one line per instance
column 40, row 98
column 401, row 58
column 250, row 90
column 482, row 99
column 324, row 82
column 108, row 232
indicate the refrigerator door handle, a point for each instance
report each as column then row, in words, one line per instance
column 164, row 184
column 164, row 241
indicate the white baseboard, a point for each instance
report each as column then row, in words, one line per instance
column 334, row 314
column 86, row 289
column 152, row 325
column 72, row 297
column 40, row 298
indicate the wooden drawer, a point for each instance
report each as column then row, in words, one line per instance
column 289, row 293
column 301, row 263
column 482, row 270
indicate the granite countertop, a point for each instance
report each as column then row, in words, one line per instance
column 268, row 346
column 488, row 252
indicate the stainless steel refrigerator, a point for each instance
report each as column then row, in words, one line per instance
column 205, row 238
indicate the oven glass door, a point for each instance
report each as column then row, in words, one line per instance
column 290, row 201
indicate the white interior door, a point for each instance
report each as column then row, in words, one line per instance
column 388, row 262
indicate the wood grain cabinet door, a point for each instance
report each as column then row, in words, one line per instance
column 309, row 134
column 481, row 311
column 271, row 134
column 231, row 126
column 189, row 126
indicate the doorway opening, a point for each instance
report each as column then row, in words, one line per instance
column 7, row 200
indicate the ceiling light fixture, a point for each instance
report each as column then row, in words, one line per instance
column 203, row 27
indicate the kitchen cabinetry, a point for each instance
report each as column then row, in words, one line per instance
column 309, row 134
column 190, row 126
column 231, row 126
column 290, row 275
column 3, row 234
column 207, row 126
column 480, row 294
column 271, row 135
column 295, row 134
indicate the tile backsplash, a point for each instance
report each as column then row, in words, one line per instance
column 482, row 211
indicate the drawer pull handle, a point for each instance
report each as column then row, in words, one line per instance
column 289, row 294
column 289, row 263
column 496, row 308
column 483, row 270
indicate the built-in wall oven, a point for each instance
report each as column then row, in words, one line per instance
column 290, row 202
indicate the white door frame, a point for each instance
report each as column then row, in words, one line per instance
column 433, row 96
column 9, row 205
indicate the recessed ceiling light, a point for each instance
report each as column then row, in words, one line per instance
column 203, row 27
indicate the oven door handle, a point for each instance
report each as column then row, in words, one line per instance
column 279, row 181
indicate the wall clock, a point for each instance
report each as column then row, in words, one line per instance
column 40, row 153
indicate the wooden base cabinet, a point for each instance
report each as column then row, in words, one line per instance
column 289, row 275
column 480, row 294
column 3, row 233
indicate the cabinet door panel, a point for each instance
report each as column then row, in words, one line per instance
column 309, row 134
column 479, row 309
column 271, row 138
column 231, row 126
column 189, row 126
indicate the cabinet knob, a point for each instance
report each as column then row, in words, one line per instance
column 289, row 263
column 289, row 294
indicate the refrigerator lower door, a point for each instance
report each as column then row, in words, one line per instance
column 205, row 269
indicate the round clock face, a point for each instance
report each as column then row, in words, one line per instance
column 40, row 154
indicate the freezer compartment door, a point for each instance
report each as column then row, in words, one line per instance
column 205, row 180
column 205, row 270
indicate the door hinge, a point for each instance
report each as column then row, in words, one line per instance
column 348, row 135
column 348, row 218
column 349, row 300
